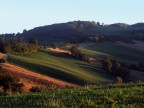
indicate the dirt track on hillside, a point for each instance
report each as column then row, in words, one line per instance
column 59, row 50
column 92, row 60
column 35, row 77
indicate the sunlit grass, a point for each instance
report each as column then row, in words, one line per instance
column 63, row 67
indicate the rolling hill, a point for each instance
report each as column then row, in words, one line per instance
column 63, row 67
column 65, row 32
column 46, row 66
column 127, row 53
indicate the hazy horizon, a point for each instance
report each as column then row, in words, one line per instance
column 17, row 15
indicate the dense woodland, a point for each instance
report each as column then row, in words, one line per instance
column 81, row 31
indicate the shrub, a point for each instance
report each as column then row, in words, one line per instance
column 118, row 80
column 75, row 51
column 17, row 87
column 115, row 66
column 9, row 82
column 107, row 65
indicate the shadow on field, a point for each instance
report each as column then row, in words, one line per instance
column 97, row 71
column 56, row 54
column 49, row 71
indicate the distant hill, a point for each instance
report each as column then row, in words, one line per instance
column 138, row 25
column 59, row 32
column 63, row 67
column 64, row 32
column 122, row 25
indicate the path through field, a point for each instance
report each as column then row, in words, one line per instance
column 92, row 60
column 59, row 50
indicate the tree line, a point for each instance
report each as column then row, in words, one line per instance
column 17, row 46
column 82, row 31
column 78, row 54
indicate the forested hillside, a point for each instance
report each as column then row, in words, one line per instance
column 82, row 31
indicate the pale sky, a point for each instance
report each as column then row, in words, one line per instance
column 16, row 15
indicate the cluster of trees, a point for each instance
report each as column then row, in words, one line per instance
column 101, row 38
column 9, row 83
column 16, row 46
column 113, row 66
column 76, row 53
column 87, row 38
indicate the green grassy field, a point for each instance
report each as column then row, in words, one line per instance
column 62, row 66
column 120, row 52
column 100, row 96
